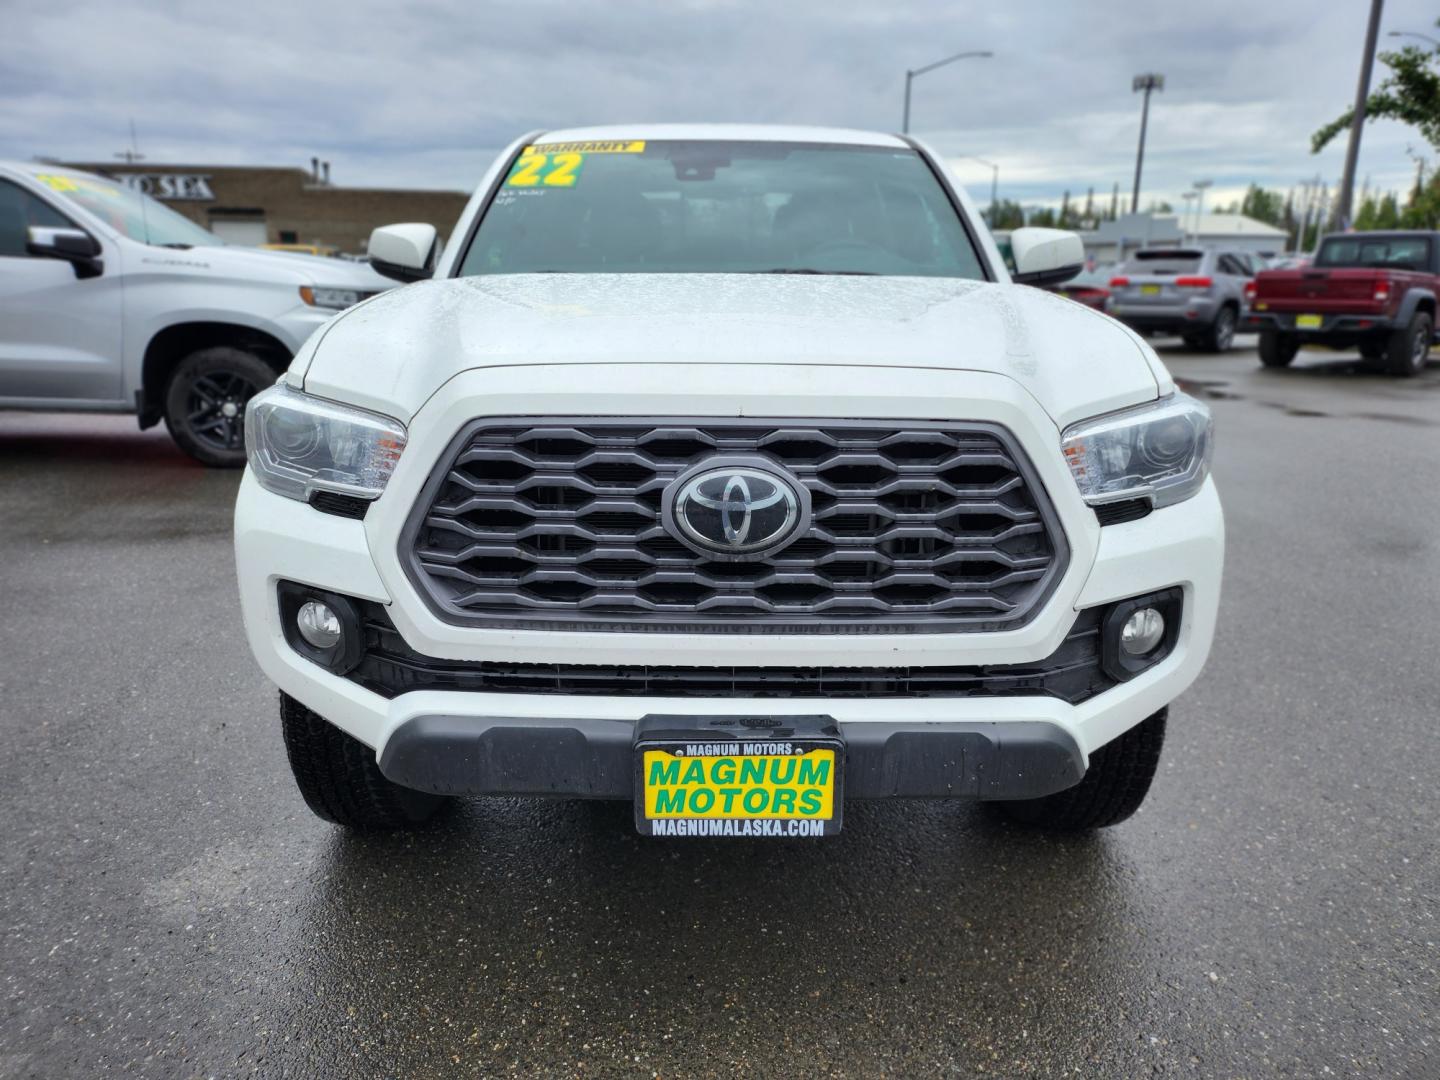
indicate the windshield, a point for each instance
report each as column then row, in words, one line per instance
column 128, row 211
column 1393, row 252
column 721, row 207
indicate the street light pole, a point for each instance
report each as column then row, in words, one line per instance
column 910, row 78
column 1200, row 186
column 1362, row 91
column 994, row 185
column 1189, row 197
column 1411, row 33
column 1147, row 82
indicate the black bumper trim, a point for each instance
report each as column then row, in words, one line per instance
column 592, row 758
column 1330, row 324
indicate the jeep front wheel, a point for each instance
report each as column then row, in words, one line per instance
column 205, row 403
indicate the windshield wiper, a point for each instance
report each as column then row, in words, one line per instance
column 811, row 270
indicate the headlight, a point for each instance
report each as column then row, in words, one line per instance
column 298, row 444
column 1160, row 451
column 334, row 299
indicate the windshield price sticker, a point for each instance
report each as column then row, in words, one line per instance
column 546, row 170
column 58, row 183
column 558, row 165
column 622, row 146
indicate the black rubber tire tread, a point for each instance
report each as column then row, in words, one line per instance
column 337, row 775
column 1400, row 350
column 1210, row 341
column 1114, row 786
column 216, row 358
column 1277, row 349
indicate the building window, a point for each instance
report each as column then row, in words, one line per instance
column 288, row 236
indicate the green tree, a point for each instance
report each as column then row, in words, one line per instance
column 1422, row 209
column 1381, row 213
column 1409, row 94
column 1008, row 215
column 1044, row 218
column 1066, row 219
column 1263, row 205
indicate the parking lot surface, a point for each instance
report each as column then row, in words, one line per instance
column 169, row 906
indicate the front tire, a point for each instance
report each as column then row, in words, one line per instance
column 1114, row 786
column 1277, row 349
column 205, row 403
column 1409, row 349
column 339, row 780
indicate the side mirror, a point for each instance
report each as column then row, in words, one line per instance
column 1046, row 256
column 75, row 246
column 404, row 252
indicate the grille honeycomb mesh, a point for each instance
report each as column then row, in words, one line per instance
column 914, row 527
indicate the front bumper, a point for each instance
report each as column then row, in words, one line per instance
column 279, row 539
column 590, row 758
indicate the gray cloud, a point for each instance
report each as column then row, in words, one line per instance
column 424, row 93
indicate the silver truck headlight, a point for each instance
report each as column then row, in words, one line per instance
column 298, row 444
column 332, row 299
column 1159, row 451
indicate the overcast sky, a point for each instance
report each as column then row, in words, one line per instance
column 424, row 93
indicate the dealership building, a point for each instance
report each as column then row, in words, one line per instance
column 273, row 205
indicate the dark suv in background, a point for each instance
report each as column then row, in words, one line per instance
column 1197, row 293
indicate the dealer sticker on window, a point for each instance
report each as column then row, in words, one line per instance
column 558, row 165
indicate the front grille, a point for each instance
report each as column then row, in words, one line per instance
column 1072, row 673
column 556, row 522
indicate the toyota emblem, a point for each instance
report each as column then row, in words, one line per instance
column 736, row 509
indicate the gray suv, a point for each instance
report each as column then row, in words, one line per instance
column 1198, row 293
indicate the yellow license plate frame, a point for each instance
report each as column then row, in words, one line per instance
column 1309, row 322
column 765, row 788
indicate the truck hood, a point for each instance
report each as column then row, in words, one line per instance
column 257, row 264
column 391, row 353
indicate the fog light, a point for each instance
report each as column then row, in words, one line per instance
column 320, row 626
column 1143, row 630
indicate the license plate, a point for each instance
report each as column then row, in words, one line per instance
column 1308, row 322
column 726, row 780
column 1149, row 290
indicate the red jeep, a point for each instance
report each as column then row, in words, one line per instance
column 1375, row 291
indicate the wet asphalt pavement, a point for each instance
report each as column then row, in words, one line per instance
column 168, row 906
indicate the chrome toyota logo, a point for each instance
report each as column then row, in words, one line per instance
column 735, row 510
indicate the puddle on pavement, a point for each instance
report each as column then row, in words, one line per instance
column 1215, row 389
column 1208, row 388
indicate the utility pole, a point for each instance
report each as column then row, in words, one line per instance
column 132, row 155
column 1148, row 83
column 910, row 78
column 1346, row 193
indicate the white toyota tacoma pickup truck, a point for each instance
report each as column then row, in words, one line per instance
column 112, row 302
column 726, row 470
